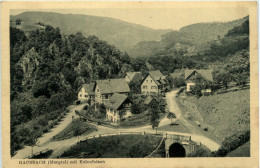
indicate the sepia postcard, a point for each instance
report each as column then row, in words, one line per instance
column 129, row 84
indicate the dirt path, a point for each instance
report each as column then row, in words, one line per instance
column 196, row 133
column 59, row 147
column 45, row 138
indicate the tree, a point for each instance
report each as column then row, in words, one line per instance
column 33, row 141
column 135, row 86
column 171, row 116
column 155, row 116
column 135, row 108
column 239, row 67
column 18, row 21
column 125, row 58
column 122, row 113
column 222, row 78
column 178, row 82
column 102, row 110
column 138, row 64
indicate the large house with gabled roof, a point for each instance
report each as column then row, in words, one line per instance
column 191, row 75
column 104, row 89
column 154, row 83
column 118, row 106
column 86, row 92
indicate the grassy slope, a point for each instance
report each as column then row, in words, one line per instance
column 177, row 126
column 124, row 146
column 81, row 127
column 242, row 151
column 228, row 113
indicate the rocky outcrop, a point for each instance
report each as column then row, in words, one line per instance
column 29, row 62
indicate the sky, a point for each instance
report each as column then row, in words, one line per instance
column 157, row 18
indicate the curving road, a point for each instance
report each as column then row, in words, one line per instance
column 59, row 147
column 45, row 139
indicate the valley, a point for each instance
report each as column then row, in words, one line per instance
column 79, row 77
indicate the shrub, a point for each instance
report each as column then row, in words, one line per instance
column 232, row 142
column 77, row 102
column 43, row 122
column 85, row 107
column 200, row 152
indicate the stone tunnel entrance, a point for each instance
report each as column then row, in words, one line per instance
column 177, row 150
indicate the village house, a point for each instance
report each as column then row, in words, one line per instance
column 86, row 92
column 154, row 83
column 191, row 75
column 118, row 107
column 104, row 89
column 133, row 76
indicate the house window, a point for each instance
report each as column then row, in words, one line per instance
column 144, row 87
column 86, row 96
column 153, row 87
column 80, row 95
column 146, row 80
column 97, row 90
column 151, row 81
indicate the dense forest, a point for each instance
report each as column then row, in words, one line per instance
column 48, row 67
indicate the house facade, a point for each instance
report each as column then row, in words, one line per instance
column 86, row 93
column 191, row 75
column 153, row 83
column 104, row 89
column 118, row 107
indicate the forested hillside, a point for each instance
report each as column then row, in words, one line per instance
column 47, row 68
column 189, row 40
column 122, row 34
column 223, row 55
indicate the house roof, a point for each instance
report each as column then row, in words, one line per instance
column 89, row 88
column 148, row 100
column 112, row 86
column 157, row 76
column 137, row 78
column 178, row 70
column 116, row 100
column 176, row 74
column 206, row 74
column 131, row 75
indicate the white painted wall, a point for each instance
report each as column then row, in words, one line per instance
column 149, row 86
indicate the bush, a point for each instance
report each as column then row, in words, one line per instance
column 85, row 107
column 200, row 152
column 77, row 102
column 232, row 142
column 43, row 122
